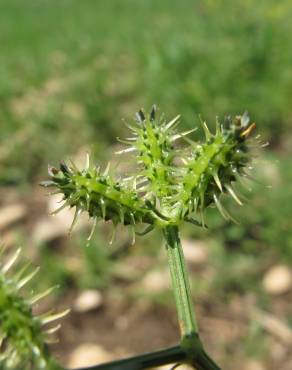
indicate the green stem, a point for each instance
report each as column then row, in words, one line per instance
column 144, row 361
column 190, row 340
column 181, row 286
column 191, row 350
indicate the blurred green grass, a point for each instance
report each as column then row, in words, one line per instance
column 71, row 70
column 69, row 67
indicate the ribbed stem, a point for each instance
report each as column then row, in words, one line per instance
column 190, row 340
column 180, row 283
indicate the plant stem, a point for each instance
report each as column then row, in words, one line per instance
column 145, row 361
column 190, row 350
column 180, row 282
column 190, row 340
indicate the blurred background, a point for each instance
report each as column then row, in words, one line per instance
column 70, row 71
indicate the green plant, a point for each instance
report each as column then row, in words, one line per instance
column 22, row 339
column 174, row 185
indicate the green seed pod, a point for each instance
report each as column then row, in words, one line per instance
column 172, row 184
column 153, row 143
column 99, row 194
column 22, row 338
column 213, row 166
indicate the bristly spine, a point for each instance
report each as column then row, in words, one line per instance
column 173, row 184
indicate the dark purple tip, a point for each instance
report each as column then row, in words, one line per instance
column 140, row 116
column 64, row 168
column 153, row 112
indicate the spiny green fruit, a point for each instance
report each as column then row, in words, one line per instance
column 98, row 193
column 173, row 183
column 22, row 338
column 153, row 142
column 214, row 165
